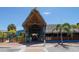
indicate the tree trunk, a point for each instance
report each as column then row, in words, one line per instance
column 3, row 38
column 57, row 37
column 72, row 36
column 61, row 38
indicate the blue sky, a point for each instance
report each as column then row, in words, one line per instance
column 52, row 15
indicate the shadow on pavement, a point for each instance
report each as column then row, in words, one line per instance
column 63, row 45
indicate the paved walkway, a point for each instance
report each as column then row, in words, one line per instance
column 49, row 47
column 14, row 45
column 11, row 47
column 35, row 48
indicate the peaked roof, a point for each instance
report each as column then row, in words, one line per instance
column 32, row 12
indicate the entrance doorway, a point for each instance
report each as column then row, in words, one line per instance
column 35, row 32
column 35, row 37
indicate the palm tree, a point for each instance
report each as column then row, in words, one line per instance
column 77, row 25
column 11, row 30
column 1, row 36
column 11, row 27
column 63, row 27
column 59, row 29
column 72, row 30
column 67, row 28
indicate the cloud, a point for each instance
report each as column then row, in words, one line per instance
column 47, row 13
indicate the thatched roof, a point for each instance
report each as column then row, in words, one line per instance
column 51, row 28
column 30, row 15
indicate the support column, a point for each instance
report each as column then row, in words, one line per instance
column 44, row 29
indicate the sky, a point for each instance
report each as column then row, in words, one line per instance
column 52, row 15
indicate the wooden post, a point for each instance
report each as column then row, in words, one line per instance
column 44, row 36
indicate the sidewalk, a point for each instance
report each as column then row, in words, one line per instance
column 34, row 49
column 42, row 48
column 72, row 44
column 69, row 44
column 12, row 47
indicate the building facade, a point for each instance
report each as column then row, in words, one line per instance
column 34, row 26
column 36, row 29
